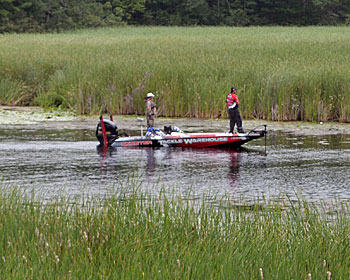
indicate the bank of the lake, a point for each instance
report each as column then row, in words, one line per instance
column 62, row 119
column 131, row 235
column 282, row 73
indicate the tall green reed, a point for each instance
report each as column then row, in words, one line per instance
column 137, row 236
column 282, row 73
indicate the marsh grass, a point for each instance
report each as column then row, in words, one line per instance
column 283, row 73
column 138, row 236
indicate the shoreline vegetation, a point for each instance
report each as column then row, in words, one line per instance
column 56, row 119
column 282, row 73
column 132, row 235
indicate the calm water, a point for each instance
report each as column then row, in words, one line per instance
column 52, row 162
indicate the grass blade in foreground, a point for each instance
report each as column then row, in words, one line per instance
column 141, row 237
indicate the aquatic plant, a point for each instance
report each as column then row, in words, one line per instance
column 282, row 73
column 132, row 235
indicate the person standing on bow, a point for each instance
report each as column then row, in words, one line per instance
column 151, row 110
column 233, row 112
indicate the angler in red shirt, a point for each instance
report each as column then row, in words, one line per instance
column 233, row 112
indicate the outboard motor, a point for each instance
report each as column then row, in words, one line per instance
column 111, row 132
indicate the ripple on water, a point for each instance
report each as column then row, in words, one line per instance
column 316, row 168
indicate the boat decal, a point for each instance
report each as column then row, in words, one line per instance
column 190, row 141
column 171, row 141
column 239, row 138
column 136, row 143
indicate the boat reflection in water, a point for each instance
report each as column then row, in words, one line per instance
column 203, row 167
column 151, row 163
column 234, row 166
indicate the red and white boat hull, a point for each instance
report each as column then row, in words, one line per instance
column 195, row 140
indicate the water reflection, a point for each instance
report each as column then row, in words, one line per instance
column 150, row 162
column 175, row 164
column 316, row 167
column 234, row 167
column 104, row 152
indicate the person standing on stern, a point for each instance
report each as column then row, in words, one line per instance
column 233, row 112
column 151, row 110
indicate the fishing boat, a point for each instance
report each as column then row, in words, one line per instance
column 108, row 135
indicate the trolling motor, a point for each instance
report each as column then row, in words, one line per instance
column 261, row 132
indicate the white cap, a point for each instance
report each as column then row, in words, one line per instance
column 150, row 94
